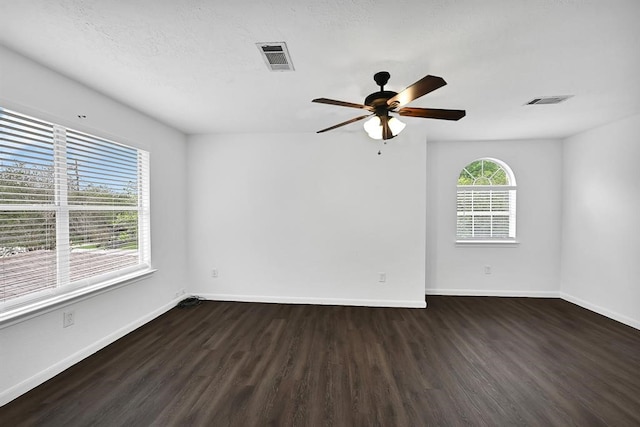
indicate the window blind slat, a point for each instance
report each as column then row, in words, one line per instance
column 101, row 172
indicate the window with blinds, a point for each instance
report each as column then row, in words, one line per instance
column 74, row 209
column 486, row 202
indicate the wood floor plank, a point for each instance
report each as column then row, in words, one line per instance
column 462, row 361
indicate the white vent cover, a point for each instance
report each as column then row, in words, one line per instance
column 548, row 100
column 276, row 56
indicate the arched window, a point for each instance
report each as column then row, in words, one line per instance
column 486, row 202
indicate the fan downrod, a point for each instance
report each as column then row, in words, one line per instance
column 378, row 100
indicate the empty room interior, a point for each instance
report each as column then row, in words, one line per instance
column 409, row 213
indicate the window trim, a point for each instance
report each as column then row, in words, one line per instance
column 40, row 306
column 477, row 243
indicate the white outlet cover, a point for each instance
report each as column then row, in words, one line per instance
column 68, row 318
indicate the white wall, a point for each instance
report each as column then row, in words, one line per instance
column 531, row 268
column 33, row 350
column 601, row 207
column 307, row 218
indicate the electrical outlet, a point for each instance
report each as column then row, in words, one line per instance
column 487, row 269
column 68, row 318
column 214, row 272
column 382, row 277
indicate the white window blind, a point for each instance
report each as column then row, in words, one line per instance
column 486, row 202
column 486, row 214
column 74, row 209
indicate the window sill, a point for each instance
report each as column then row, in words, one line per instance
column 487, row 243
column 47, row 304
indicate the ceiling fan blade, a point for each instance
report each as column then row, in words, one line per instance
column 341, row 103
column 432, row 113
column 344, row 123
column 421, row 87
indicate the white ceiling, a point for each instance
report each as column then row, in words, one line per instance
column 193, row 64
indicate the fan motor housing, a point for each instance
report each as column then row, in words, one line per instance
column 379, row 99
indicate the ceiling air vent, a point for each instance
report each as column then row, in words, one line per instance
column 545, row 100
column 276, row 56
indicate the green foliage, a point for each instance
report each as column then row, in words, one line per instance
column 483, row 172
column 29, row 184
column 28, row 229
column 103, row 229
column 21, row 183
column 92, row 194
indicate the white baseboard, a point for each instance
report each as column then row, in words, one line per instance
column 539, row 294
column 634, row 323
column 315, row 301
column 493, row 293
column 19, row 389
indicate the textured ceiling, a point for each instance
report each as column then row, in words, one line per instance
column 193, row 64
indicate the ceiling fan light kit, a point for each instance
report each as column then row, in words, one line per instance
column 373, row 127
column 380, row 104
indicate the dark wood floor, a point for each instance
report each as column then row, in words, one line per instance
column 462, row 361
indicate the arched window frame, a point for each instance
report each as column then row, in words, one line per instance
column 474, row 230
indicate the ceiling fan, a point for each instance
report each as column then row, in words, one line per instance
column 380, row 104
